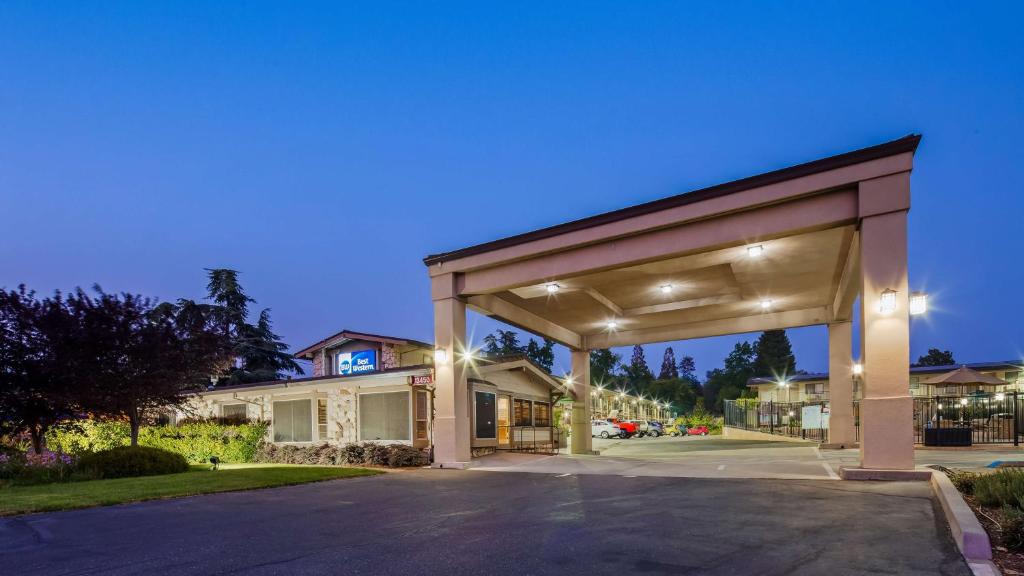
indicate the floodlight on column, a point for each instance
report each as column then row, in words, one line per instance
column 918, row 303
column 858, row 369
column 440, row 356
column 887, row 301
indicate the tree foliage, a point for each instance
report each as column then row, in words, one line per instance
column 37, row 364
column 259, row 354
column 669, row 369
column 730, row 381
column 637, row 372
column 936, row 357
column 506, row 343
column 774, row 355
column 603, row 365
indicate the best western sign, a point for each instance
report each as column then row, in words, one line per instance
column 357, row 362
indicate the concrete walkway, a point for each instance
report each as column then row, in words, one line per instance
column 717, row 457
column 470, row 522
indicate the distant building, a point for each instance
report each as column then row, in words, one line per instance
column 814, row 387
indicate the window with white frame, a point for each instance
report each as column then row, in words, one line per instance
column 293, row 421
column 233, row 411
column 384, row 416
column 814, row 388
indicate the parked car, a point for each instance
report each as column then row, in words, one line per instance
column 697, row 431
column 675, row 430
column 628, row 428
column 655, row 428
column 642, row 428
column 604, row 429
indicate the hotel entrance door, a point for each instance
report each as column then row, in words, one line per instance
column 504, row 419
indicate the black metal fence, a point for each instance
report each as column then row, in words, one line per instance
column 966, row 420
column 535, row 439
column 779, row 418
column 985, row 418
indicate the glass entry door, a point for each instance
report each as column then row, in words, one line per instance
column 504, row 419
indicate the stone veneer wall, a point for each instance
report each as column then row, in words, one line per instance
column 388, row 356
column 318, row 365
column 341, row 415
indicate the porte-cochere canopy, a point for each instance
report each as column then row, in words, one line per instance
column 793, row 247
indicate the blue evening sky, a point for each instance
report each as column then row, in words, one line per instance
column 324, row 149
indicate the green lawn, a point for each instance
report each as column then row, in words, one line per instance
column 201, row 480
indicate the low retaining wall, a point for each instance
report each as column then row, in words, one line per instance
column 741, row 434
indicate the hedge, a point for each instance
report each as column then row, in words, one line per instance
column 129, row 461
column 197, row 441
column 392, row 455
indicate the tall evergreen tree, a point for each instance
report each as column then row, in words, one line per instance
column 502, row 343
column 259, row 354
column 774, row 355
column 668, row 365
column 637, row 372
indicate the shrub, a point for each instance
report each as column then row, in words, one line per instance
column 196, row 440
column 125, row 461
column 963, row 481
column 1012, row 528
column 28, row 468
column 401, row 455
column 1000, row 489
column 393, row 455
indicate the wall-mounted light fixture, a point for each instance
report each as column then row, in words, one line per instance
column 858, row 369
column 887, row 301
column 918, row 303
column 440, row 356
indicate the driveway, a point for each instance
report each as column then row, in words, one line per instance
column 472, row 522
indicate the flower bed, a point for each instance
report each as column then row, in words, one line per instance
column 26, row 468
column 997, row 500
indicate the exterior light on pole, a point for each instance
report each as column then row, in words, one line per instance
column 553, row 288
column 755, row 251
column 887, row 301
column 918, row 303
column 440, row 356
column 766, row 304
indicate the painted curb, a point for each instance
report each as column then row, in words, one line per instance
column 970, row 537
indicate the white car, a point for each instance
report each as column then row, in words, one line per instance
column 642, row 428
column 604, row 429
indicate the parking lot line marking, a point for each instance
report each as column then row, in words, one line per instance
column 563, row 475
column 831, row 473
column 818, row 453
column 721, row 466
column 624, row 476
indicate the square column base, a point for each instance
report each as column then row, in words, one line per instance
column 884, row 475
column 887, row 433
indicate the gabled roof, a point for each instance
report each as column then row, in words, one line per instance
column 348, row 335
column 493, row 363
column 906, row 144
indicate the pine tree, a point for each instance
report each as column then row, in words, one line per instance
column 668, row 365
column 260, row 354
column 638, row 372
column 774, row 355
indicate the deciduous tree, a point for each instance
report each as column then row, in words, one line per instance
column 936, row 357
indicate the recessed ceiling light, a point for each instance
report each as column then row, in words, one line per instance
column 553, row 287
column 612, row 324
column 766, row 304
column 755, row 251
column 666, row 288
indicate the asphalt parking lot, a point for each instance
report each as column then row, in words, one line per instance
column 473, row 522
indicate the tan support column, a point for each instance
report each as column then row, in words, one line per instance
column 451, row 396
column 840, row 385
column 581, row 414
column 886, row 410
